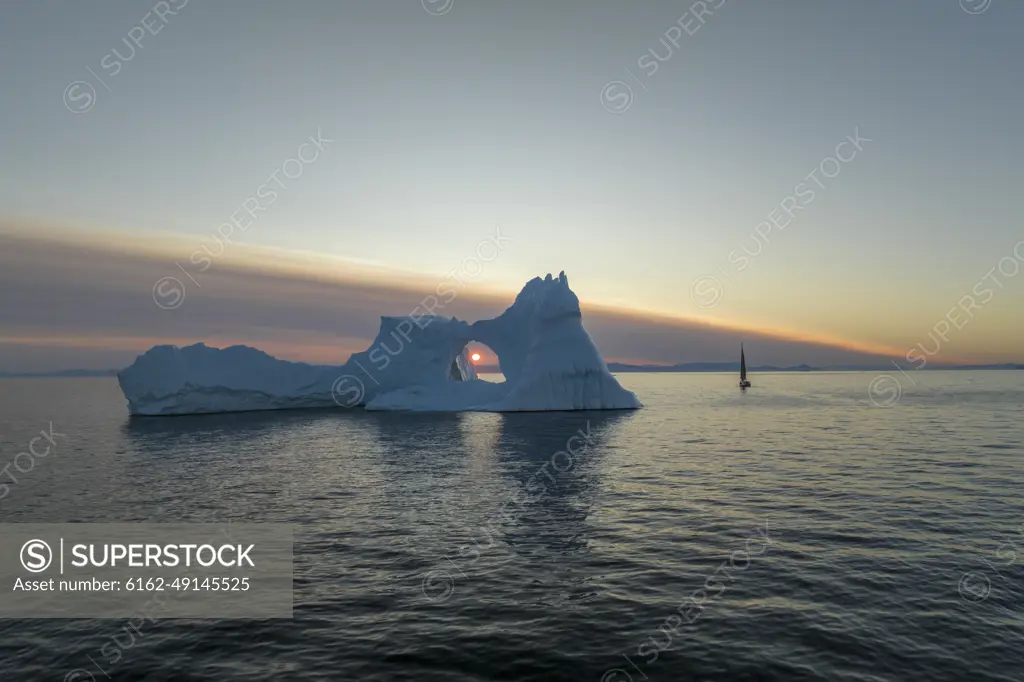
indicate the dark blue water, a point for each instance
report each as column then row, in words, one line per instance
column 794, row 532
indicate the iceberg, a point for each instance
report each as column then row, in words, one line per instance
column 416, row 363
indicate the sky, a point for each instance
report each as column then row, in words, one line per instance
column 826, row 181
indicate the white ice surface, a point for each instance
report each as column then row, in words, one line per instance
column 415, row 363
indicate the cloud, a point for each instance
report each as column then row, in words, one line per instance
column 78, row 299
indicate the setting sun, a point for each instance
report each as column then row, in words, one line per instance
column 476, row 357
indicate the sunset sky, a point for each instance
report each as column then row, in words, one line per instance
column 578, row 130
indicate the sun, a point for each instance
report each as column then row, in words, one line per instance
column 476, row 357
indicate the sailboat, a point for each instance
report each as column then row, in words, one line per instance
column 743, row 370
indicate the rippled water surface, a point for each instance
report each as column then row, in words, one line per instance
column 793, row 532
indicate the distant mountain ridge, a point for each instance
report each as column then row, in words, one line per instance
column 67, row 373
column 735, row 367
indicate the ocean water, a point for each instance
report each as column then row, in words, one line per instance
column 797, row 531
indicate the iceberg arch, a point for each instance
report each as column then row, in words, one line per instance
column 549, row 361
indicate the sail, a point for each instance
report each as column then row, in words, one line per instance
column 743, row 365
